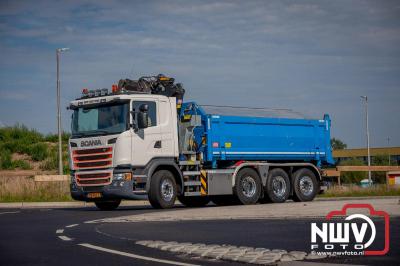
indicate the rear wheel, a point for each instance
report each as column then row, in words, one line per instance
column 247, row 186
column 194, row 201
column 163, row 190
column 305, row 185
column 107, row 205
column 278, row 186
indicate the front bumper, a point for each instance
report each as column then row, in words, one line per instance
column 116, row 190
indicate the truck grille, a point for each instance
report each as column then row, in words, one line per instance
column 92, row 158
column 93, row 179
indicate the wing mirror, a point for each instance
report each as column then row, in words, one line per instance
column 143, row 116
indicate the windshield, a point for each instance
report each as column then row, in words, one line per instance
column 100, row 120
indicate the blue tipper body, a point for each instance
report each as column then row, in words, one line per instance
column 253, row 138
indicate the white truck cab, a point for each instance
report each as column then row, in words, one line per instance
column 107, row 145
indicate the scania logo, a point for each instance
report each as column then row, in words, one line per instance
column 94, row 142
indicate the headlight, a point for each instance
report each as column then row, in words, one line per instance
column 122, row 176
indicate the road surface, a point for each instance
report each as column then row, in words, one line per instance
column 67, row 236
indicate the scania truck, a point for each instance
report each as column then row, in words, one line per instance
column 141, row 141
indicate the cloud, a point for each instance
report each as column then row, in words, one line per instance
column 313, row 57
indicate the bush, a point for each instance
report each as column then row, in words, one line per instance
column 353, row 177
column 21, row 164
column 38, row 151
column 5, row 160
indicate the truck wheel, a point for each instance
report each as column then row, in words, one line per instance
column 194, row 201
column 107, row 205
column 225, row 200
column 305, row 185
column 163, row 190
column 278, row 186
column 247, row 186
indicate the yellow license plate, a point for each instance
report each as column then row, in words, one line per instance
column 94, row 195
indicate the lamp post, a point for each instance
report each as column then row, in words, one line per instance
column 367, row 129
column 60, row 165
column 388, row 140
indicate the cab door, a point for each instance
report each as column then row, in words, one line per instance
column 146, row 143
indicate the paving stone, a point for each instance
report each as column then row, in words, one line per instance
column 267, row 259
column 232, row 256
column 280, row 251
column 299, row 255
column 168, row 248
column 288, row 257
column 261, row 249
column 200, row 251
column 178, row 248
column 312, row 256
column 144, row 242
column 246, row 259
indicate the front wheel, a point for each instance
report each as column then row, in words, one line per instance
column 163, row 190
column 107, row 205
column 305, row 185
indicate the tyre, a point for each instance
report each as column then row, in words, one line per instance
column 194, row 201
column 305, row 185
column 278, row 186
column 163, row 190
column 225, row 200
column 247, row 186
column 107, row 205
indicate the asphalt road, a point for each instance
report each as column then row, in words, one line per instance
column 30, row 237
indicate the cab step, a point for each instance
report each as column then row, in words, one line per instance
column 189, row 162
column 192, row 183
column 191, row 173
column 192, row 193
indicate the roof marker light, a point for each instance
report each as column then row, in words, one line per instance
column 114, row 88
column 85, row 92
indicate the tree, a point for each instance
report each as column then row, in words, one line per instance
column 353, row 177
column 380, row 159
column 337, row 144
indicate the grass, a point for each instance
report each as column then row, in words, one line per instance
column 25, row 189
column 38, row 147
column 357, row 191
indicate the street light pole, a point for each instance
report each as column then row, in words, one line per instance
column 60, row 164
column 388, row 139
column 367, row 129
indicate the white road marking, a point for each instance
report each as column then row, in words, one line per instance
column 71, row 225
column 60, row 231
column 9, row 212
column 130, row 255
column 65, row 238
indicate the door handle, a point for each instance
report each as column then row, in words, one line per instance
column 157, row 145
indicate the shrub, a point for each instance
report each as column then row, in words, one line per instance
column 5, row 160
column 353, row 177
column 38, row 151
column 21, row 164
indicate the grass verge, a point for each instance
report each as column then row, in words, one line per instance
column 25, row 189
column 357, row 191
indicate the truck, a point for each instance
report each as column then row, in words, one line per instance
column 140, row 140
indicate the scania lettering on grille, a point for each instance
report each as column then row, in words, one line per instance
column 85, row 143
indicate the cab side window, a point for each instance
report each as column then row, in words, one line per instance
column 152, row 122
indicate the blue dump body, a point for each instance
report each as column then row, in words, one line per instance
column 231, row 137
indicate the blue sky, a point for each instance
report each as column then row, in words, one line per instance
column 314, row 57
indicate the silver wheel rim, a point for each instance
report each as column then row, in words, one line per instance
column 306, row 186
column 279, row 186
column 249, row 186
column 167, row 190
